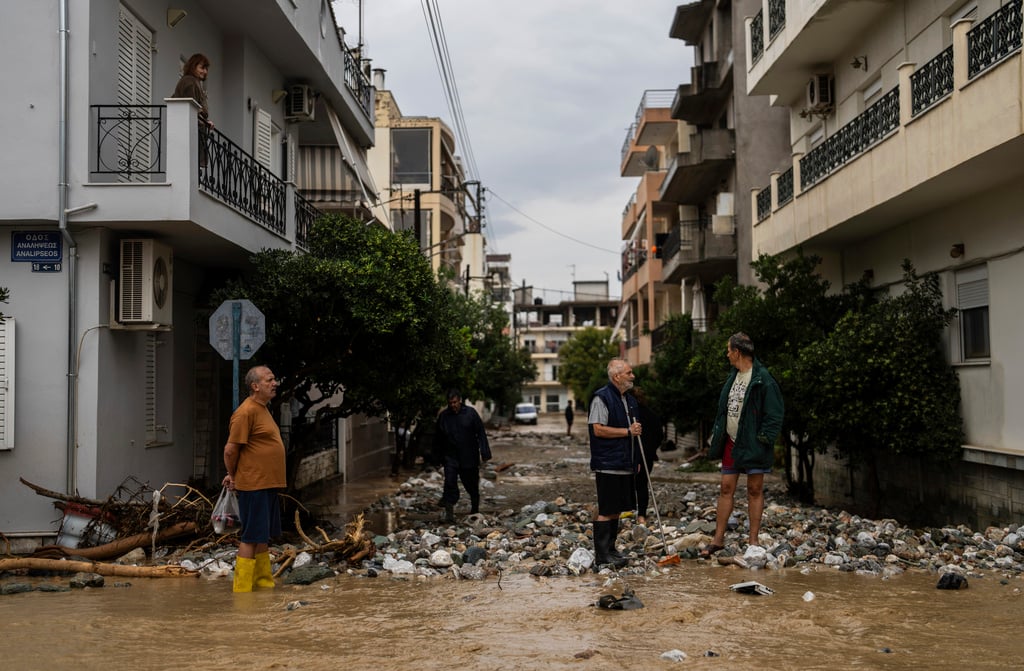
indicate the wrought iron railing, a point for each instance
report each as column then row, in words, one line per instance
column 684, row 240
column 233, row 176
column 931, row 82
column 784, row 185
column 305, row 215
column 994, row 38
column 129, row 140
column 776, row 17
column 757, row 37
column 764, row 203
column 853, row 139
column 358, row 83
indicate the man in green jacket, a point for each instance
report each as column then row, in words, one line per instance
column 749, row 419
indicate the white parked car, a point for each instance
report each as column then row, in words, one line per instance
column 526, row 413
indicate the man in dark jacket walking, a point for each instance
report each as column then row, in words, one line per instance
column 461, row 444
column 749, row 419
column 613, row 428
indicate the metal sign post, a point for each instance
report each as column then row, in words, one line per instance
column 237, row 330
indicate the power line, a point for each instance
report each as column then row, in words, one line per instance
column 546, row 227
column 442, row 58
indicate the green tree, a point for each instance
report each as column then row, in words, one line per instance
column 584, row 361
column 5, row 295
column 684, row 376
column 880, row 383
column 498, row 369
column 361, row 313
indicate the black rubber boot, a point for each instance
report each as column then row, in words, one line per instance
column 475, row 505
column 449, row 513
column 604, row 545
column 614, row 554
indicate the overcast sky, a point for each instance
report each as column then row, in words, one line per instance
column 548, row 90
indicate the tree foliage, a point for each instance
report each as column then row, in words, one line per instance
column 880, row 382
column 584, row 361
column 4, row 297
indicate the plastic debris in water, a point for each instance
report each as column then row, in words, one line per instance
column 296, row 604
column 674, row 655
column 952, row 581
column 751, row 587
column 808, row 596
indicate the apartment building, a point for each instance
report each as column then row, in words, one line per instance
column 424, row 189
column 907, row 142
column 696, row 150
column 542, row 328
column 119, row 215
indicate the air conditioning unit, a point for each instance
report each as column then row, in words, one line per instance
column 301, row 102
column 722, row 224
column 820, row 93
column 146, row 281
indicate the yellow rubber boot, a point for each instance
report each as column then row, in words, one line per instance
column 263, row 577
column 244, row 569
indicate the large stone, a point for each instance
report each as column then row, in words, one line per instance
column 309, row 574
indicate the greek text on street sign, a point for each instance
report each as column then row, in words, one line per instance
column 45, row 246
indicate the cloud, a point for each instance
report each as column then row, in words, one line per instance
column 548, row 91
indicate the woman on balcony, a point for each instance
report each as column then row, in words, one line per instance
column 193, row 85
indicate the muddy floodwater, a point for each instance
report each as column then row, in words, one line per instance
column 518, row 621
column 854, row 622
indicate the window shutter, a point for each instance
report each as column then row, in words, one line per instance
column 972, row 288
column 134, row 87
column 262, row 139
column 7, row 384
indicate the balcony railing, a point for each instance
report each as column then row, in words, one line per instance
column 764, row 203
column 785, row 187
column 932, row 82
column 757, row 37
column 651, row 99
column 684, row 240
column 238, row 179
column 853, row 139
column 994, row 39
column 305, row 215
column 358, row 83
column 776, row 17
column 129, row 141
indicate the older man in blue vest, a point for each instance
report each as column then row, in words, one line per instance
column 613, row 459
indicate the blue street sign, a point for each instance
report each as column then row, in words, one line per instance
column 42, row 246
column 46, row 267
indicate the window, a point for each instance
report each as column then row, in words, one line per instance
column 871, row 91
column 554, row 403
column 134, row 87
column 7, row 383
column 410, row 156
column 972, row 301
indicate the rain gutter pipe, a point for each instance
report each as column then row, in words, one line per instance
column 62, row 223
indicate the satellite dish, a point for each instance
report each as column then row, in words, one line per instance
column 160, row 282
column 650, row 158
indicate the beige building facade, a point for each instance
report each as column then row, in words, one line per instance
column 907, row 141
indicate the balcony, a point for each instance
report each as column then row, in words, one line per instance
column 654, row 126
column 786, row 41
column 691, row 247
column 696, row 173
column 200, row 192
column 690, row 20
column 885, row 165
column 702, row 100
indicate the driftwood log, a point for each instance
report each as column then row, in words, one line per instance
column 117, row 547
column 70, row 566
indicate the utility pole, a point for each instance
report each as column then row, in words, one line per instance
column 416, row 217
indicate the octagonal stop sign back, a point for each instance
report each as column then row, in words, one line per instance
column 252, row 329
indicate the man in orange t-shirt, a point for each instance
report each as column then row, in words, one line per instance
column 255, row 461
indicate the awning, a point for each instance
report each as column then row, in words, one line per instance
column 355, row 162
column 324, row 177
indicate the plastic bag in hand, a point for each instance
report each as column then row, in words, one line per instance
column 226, row 518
